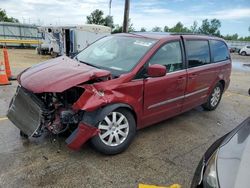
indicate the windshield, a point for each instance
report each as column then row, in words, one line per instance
column 116, row 53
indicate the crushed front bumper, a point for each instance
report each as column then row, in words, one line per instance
column 82, row 134
column 25, row 112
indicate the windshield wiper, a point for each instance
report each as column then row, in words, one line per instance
column 89, row 64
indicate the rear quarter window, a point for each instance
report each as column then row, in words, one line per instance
column 219, row 50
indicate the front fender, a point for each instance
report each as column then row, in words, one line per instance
column 98, row 96
column 94, row 117
column 86, row 128
column 90, row 100
column 93, row 99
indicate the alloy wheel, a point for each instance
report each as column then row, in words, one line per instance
column 215, row 96
column 114, row 129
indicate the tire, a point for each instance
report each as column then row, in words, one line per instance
column 38, row 51
column 53, row 54
column 23, row 135
column 116, row 135
column 243, row 53
column 214, row 98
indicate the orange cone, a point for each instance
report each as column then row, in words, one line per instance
column 7, row 65
column 3, row 76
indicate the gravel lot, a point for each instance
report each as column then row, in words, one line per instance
column 163, row 154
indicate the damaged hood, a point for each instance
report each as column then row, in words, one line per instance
column 59, row 74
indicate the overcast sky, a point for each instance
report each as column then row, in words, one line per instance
column 234, row 14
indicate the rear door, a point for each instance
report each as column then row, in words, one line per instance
column 163, row 96
column 201, row 73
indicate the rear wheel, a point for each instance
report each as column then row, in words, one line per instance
column 42, row 52
column 117, row 131
column 38, row 50
column 243, row 53
column 214, row 98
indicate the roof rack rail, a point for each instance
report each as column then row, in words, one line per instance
column 150, row 32
column 170, row 33
column 180, row 33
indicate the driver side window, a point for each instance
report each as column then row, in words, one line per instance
column 170, row 56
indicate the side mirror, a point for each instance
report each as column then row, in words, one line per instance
column 156, row 70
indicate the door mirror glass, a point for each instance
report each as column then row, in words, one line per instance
column 156, row 70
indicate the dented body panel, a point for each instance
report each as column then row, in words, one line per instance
column 57, row 75
column 130, row 93
column 80, row 136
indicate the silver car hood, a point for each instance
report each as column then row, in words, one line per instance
column 233, row 161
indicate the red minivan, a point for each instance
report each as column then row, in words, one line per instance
column 119, row 84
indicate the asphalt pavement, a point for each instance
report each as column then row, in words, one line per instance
column 163, row 154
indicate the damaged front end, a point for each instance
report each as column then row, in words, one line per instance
column 33, row 113
column 26, row 112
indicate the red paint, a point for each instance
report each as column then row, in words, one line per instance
column 161, row 89
column 59, row 74
column 83, row 133
column 204, row 77
column 156, row 70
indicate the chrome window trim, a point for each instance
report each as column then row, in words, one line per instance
column 191, row 68
column 177, row 98
column 138, row 79
column 183, row 70
column 210, row 64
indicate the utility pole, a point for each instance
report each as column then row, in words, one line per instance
column 126, row 17
column 110, row 2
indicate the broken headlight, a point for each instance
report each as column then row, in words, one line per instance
column 210, row 179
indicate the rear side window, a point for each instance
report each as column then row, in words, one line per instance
column 219, row 50
column 197, row 53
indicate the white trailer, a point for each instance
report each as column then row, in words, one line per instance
column 52, row 40
column 86, row 34
column 69, row 40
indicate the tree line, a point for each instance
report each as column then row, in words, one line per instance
column 5, row 18
column 209, row 27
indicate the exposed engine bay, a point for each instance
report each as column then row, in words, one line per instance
column 50, row 111
column 60, row 117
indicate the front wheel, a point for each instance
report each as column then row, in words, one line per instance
column 214, row 98
column 53, row 54
column 117, row 131
column 23, row 135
